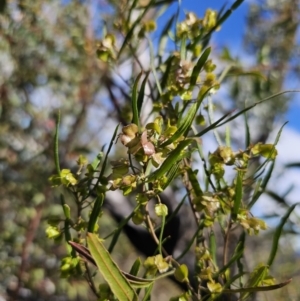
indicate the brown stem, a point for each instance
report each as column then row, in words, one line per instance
column 226, row 242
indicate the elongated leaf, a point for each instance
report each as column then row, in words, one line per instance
column 258, row 192
column 67, row 213
column 148, row 293
column 184, row 125
column 170, row 175
column 190, row 243
column 183, row 48
column 108, row 151
column 138, row 282
column 175, row 212
column 118, row 231
column 158, row 3
column 134, row 101
column 290, row 165
column 172, row 159
column 279, row 199
column 278, row 232
column 221, row 20
column 219, row 122
column 134, row 280
column 212, row 126
column 261, row 186
column 248, row 136
column 140, row 99
column 135, row 267
column 256, row 289
column 213, row 247
column 194, row 181
column 110, row 271
column 257, row 103
column 95, row 213
column 273, row 152
column 201, row 62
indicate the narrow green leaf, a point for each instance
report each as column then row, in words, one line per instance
column 275, row 196
column 110, row 271
column 219, row 122
column 56, row 152
column 232, row 279
column 118, row 231
column 256, row 289
column 172, row 159
column 291, row 165
column 134, row 101
column 140, row 99
column 185, row 124
column 223, row 18
column 248, row 136
column 162, row 228
column 259, row 190
column 190, row 243
column 138, row 282
column 238, row 193
column 133, row 280
column 256, row 278
column 255, row 104
column 158, row 3
column 278, row 232
column 147, row 295
column 135, row 267
column 183, row 48
column 194, row 181
column 213, row 247
column 175, row 212
column 239, row 262
column 212, row 126
column 271, row 155
column 170, row 175
column 95, row 213
column 108, row 151
column 67, row 213
column 201, row 62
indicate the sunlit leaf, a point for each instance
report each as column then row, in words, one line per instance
column 110, row 271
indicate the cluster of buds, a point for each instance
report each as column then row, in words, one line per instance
column 106, row 49
column 193, row 26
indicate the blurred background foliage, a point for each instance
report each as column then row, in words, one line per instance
column 48, row 61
